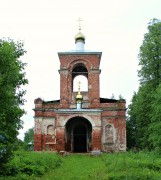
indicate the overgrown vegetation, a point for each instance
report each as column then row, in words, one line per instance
column 12, row 78
column 27, row 164
column 133, row 166
column 117, row 166
column 144, row 121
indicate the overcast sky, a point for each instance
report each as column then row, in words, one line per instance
column 116, row 28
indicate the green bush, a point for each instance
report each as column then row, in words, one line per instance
column 5, row 156
column 32, row 163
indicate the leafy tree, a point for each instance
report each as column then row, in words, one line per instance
column 141, row 110
column 150, row 55
column 155, row 126
column 138, row 120
column 131, row 125
column 12, row 78
column 29, row 139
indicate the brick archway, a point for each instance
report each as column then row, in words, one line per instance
column 78, row 135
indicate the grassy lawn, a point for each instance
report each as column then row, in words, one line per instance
column 52, row 166
column 119, row 166
column 78, row 166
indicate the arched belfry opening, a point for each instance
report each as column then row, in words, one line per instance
column 80, row 74
column 78, row 135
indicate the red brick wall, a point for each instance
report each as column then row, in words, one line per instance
column 96, row 138
column 67, row 62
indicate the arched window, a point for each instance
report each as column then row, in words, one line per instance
column 80, row 74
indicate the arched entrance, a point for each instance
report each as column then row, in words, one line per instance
column 78, row 135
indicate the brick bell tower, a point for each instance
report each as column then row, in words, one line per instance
column 73, row 64
column 80, row 121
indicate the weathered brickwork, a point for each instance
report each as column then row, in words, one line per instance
column 99, row 125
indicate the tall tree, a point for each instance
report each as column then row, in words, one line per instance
column 155, row 126
column 138, row 120
column 150, row 55
column 141, row 109
column 131, row 124
column 12, row 78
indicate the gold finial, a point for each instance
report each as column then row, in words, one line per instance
column 79, row 23
column 79, row 97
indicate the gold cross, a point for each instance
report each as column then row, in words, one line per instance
column 79, row 23
column 79, row 83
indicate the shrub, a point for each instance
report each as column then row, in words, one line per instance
column 32, row 163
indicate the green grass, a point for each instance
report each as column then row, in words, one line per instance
column 77, row 167
column 117, row 166
column 133, row 166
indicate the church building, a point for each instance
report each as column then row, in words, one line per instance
column 80, row 121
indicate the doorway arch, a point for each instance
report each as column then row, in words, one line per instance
column 78, row 135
